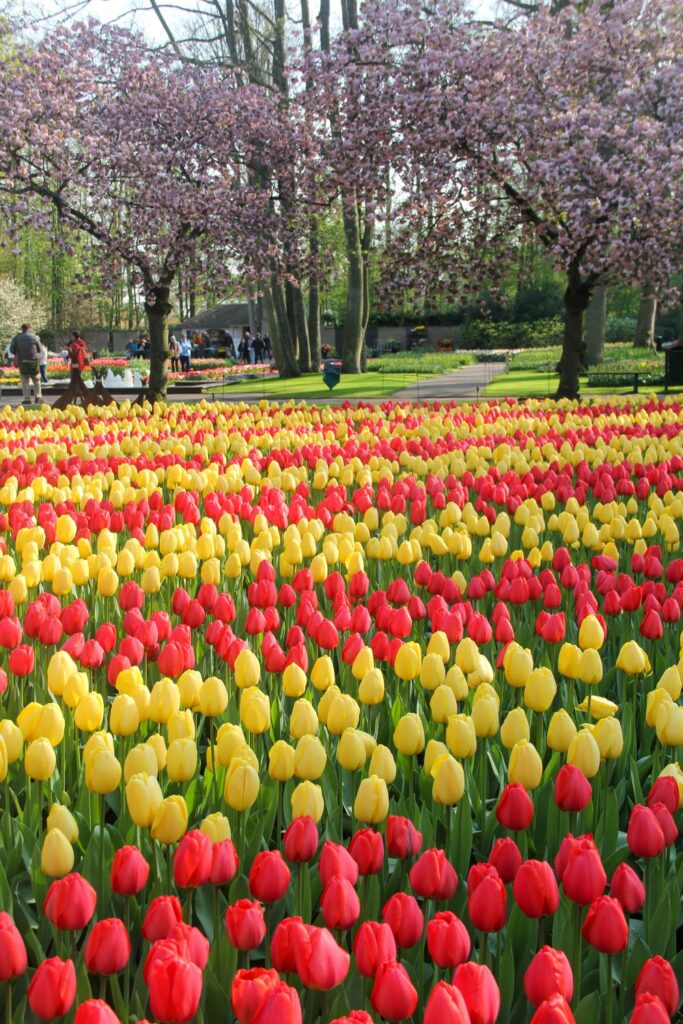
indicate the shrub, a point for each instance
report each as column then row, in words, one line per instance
column 486, row 334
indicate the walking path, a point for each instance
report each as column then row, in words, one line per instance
column 465, row 384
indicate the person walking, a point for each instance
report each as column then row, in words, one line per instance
column 25, row 346
column 185, row 352
column 175, row 354
column 42, row 362
column 267, row 354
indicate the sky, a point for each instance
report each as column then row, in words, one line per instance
column 139, row 13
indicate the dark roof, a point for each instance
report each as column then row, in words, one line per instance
column 217, row 318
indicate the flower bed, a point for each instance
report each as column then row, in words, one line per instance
column 314, row 714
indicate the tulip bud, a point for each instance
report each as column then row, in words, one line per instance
column 382, row 764
column 57, row 855
column 514, row 728
column 61, row 817
column 241, row 785
column 372, row 800
column 143, row 798
column 307, row 801
column 40, row 760
column 409, row 737
column 281, row 760
column 561, row 731
column 303, row 720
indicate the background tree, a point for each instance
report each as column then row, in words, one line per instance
column 148, row 158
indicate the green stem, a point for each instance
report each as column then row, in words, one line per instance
column 608, row 994
column 577, row 915
column 102, row 890
column 8, row 1002
column 482, row 789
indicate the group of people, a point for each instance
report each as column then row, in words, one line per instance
column 253, row 348
column 181, row 353
column 30, row 356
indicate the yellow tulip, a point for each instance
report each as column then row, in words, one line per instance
column 526, row 766
column 362, row 663
column 561, row 731
column 158, row 744
column 591, row 633
column 247, row 669
column 61, row 817
column 241, row 786
column 590, row 667
column 322, row 673
column 372, row 800
column 89, row 712
column 229, row 740
column 12, row 738
column 124, row 717
column 598, row 707
column 294, row 681
column 102, row 772
column 466, row 655
column 433, row 751
column 216, row 826
column 164, row 700
column 57, row 854
column 633, row 660
column 455, row 681
column 670, row 680
column 343, row 713
column 609, row 738
column 50, row 724
column 438, row 644
column 517, row 665
column 408, row 662
column 461, row 737
column 213, row 697
column 371, row 689
column 432, row 672
column 60, row 667
column 143, row 798
column 141, row 760
column 669, row 724
column 515, row 727
column 351, row 750
column 382, row 764
column 309, row 758
column 485, row 716
column 409, row 735
column 449, row 781
column 281, row 761
column 307, row 799
column 40, row 760
column 540, row 689
column 255, row 710
column 569, row 660
column 443, row 704
column 181, row 760
column 584, row 752
column 170, row 821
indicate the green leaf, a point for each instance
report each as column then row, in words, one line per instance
column 5, row 892
column 588, row 1010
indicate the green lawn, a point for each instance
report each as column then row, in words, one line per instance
column 421, row 361
column 312, row 387
column 521, row 384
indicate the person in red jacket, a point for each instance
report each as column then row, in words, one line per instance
column 78, row 354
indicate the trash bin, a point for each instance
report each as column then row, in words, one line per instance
column 674, row 366
column 331, row 372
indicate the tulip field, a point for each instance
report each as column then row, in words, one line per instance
column 342, row 714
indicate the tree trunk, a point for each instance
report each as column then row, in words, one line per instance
column 302, row 329
column 576, row 299
column 645, row 325
column 353, row 333
column 291, row 318
column 596, row 315
column 158, row 311
column 251, row 306
column 283, row 348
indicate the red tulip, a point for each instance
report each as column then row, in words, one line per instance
column 446, row 1005
column 280, row 1006
column 448, row 940
column 506, row 858
column 162, row 913
column 224, row 862
column 515, row 809
column 664, row 790
column 10, row 633
column 486, row 898
column 666, row 823
column 193, row 943
column 22, row 660
column 336, row 860
column 535, row 889
column 403, row 839
column 403, row 915
column 245, row 924
column 320, row 962
column 605, row 926
column 288, row 934
column 626, row 886
column 269, row 876
column 52, row 990
column 657, row 977
column 175, row 988
column 248, row 991
column 13, row 958
column 70, row 902
column 649, row 1009
column 95, row 1011
column 373, row 944
column 301, row 840
column 479, row 990
column 354, row 1016
column 433, row 876
column 644, row 836
column 393, row 994
column 572, row 789
column 579, row 867
column 192, row 860
column 339, row 903
column 548, row 973
column 367, row 849
column 554, row 1010
column 107, row 950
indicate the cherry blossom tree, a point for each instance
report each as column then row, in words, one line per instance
column 566, row 127
column 153, row 159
